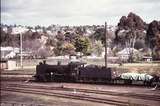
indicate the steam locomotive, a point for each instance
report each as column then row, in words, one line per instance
column 80, row 72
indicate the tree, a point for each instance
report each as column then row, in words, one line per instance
column 83, row 44
column 153, row 39
column 36, row 48
column 3, row 38
column 98, row 48
column 9, row 39
column 43, row 52
column 68, row 49
column 99, row 35
column 51, row 42
column 58, row 50
column 60, row 36
column 131, row 21
column 130, row 29
column 36, row 35
column 139, row 44
column 80, row 30
column 70, row 37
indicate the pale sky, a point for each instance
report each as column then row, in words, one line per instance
column 75, row 12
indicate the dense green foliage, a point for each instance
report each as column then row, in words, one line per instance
column 82, row 44
column 153, row 39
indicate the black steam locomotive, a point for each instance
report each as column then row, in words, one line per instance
column 73, row 71
column 78, row 72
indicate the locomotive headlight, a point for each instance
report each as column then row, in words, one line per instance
column 114, row 72
column 51, row 73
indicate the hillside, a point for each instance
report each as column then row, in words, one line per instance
column 130, row 32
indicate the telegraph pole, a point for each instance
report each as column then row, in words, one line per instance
column 106, row 44
column 21, row 61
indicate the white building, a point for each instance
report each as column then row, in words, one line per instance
column 18, row 30
column 8, row 52
column 126, row 52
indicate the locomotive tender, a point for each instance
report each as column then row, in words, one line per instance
column 78, row 72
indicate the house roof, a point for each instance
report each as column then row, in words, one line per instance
column 127, row 51
column 9, row 49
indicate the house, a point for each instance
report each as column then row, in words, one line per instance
column 147, row 58
column 126, row 53
column 8, row 52
column 12, row 54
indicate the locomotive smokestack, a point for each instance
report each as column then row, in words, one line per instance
column 106, row 44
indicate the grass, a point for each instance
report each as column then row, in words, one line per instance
column 150, row 68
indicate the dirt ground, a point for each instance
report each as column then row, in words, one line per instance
column 9, row 98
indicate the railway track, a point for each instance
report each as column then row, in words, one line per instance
column 65, row 95
column 39, row 89
column 133, row 95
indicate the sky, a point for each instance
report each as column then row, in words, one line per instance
column 75, row 12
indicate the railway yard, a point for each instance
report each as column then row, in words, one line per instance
column 19, row 89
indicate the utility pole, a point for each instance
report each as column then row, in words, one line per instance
column 106, row 44
column 21, row 50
